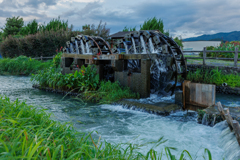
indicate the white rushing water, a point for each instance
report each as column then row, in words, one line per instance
column 82, row 46
column 87, row 46
column 76, row 45
column 151, row 46
column 116, row 124
column 134, row 46
column 126, row 47
column 143, row 45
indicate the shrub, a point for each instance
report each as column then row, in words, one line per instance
column 40, row 44
column 214, row 76
column 22, row 65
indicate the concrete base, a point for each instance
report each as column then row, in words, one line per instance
column 137, row 82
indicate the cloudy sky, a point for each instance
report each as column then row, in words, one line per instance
column 185, row 18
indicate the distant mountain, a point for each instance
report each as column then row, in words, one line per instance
column 231, row 36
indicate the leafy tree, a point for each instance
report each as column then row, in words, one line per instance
column 30, row 28
column 126, row 29
column 13, row 26
column 179, row 42
column 55, row 25
column 154, row 24
column 1, row 34
column 101, row 30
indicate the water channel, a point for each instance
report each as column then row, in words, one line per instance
column 116, row 124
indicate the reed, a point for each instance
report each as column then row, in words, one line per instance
column 22, row 65
column 28, row 132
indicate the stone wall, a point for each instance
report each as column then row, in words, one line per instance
column 226, row 70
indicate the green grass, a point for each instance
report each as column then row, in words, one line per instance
column 214, row 76
column 22, row 65
column 29, row 133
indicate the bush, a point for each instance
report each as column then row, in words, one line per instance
column 40, row 44
column 214, row 76
column 22, row 65
column 227, row 46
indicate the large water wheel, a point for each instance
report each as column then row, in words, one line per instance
column 168, row 67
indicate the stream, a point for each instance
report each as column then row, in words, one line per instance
column 118, row 125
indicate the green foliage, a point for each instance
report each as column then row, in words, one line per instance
column 126, row 29
column 57, row 59
column 55, row 25
column 214, row 76
column 85, row 79
column 109, row 92
column 1, row 36
column 41, row 44
column 28, row 132
column 227, row 46
column 30, row 28
column 22, row 65
column 154, row 24
column 179, row 42
column 12, row 26
column 101, row 30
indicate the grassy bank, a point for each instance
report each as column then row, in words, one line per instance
column 21, row 66
column 214, row 76
column 29, row 133
column 85, row 82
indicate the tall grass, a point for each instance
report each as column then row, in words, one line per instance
column 214, row 76
column 29, row 133
column 22, row 65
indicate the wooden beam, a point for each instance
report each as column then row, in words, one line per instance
column 228, row 118
column 220, row 109
column 236, row 129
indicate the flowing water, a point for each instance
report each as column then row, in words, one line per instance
column 116, row 124
column 126, row 47
column 143, row 45
column 82, row 46
column 76, row 45
column 134, row 46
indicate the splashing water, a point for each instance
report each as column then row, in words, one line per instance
column 76, row 44
column 87, row 47
column 151, row 46
column 71, row 48
column 82, row 46
column 126, row 47
column 204, row 120
column 143, row 45
column 134, row 46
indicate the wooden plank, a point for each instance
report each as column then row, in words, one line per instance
column 221, row 111
column 236, row 57
column 216, row 58
column 236, row 129
column 228, row 118
column 204, row 56
column 207, row 51
column 132, row 56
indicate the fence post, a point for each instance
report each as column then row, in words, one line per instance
column 236, row 57
column 204, row 56
column 41, row 58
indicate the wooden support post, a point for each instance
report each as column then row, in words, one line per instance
column 220, row 109
column 204, row 56
column 228, row 118
column 236, row 129
column 41, row 58
column 236, row 57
